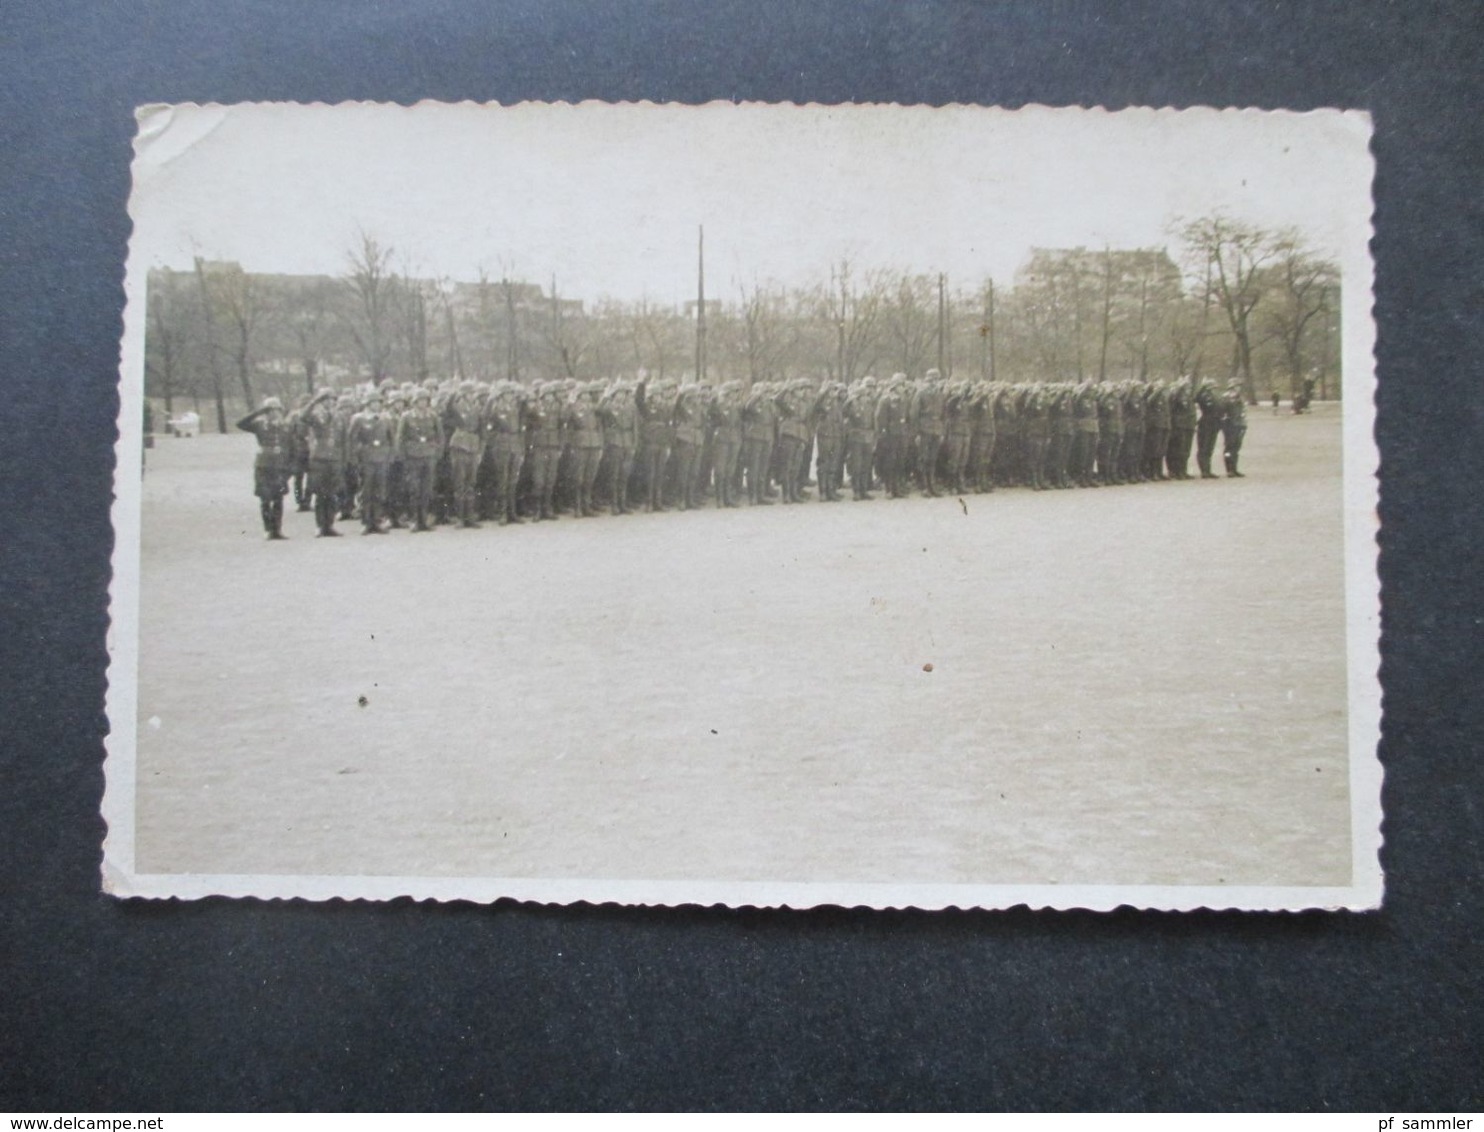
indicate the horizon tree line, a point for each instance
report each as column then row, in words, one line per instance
column 1233, row 300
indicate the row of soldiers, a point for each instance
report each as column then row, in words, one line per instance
column 466, row 452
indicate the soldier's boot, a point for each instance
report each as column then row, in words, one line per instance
column 1231, row 467
column 325, row 513
column 265, row 511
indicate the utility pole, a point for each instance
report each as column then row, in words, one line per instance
column 701, row 303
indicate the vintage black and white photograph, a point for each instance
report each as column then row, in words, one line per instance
column 747, row 504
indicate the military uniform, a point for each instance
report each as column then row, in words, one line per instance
column 759, row 433
column 465, row 428
column 1010, row 441
column 891, row 438
column 690, row 439
column 1183, row 415
column 300, row 458
column 656, row 409
column 585, row 441
column 926, row 419
column 443, row 468
column 372, row 445
column 1156, row 431
column 958, row 435
column 1233, row 427
column 1085, row 435
column 829, row 430
column 794, row 438
column 396, row 489
column 419, row 445
column 1035, row 426
column 725, row 416
column 984, row 437
column 273, row 462
column 1110, row 436
column 505, row 435
column 544, row 432
column 1060, row 427
column 1208, row 427
column 860, row 436
column 1132, row 459
column 620, row 440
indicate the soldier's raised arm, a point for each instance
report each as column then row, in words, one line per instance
column 248, row 423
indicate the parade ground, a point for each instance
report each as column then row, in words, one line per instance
column 1137, row 685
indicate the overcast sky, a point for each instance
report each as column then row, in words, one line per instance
column 608, row 198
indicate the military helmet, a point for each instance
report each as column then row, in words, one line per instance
column 272, row 403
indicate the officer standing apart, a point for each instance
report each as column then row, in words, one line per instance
column 273, row 463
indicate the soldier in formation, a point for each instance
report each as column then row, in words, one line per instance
column 449, row 452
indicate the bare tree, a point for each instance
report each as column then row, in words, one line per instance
column 911, row 323
column 1302, row 283
column 307, row 313
column 235, row 306
column 567, row 341
column 768, row 333
column 372, row 288
column 409, row 300
column 166, row 337
column 1237, row 254
column 444, row 291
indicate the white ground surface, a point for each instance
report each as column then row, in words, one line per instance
column 1137, row 685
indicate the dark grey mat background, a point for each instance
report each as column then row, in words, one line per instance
column 229, row 1005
